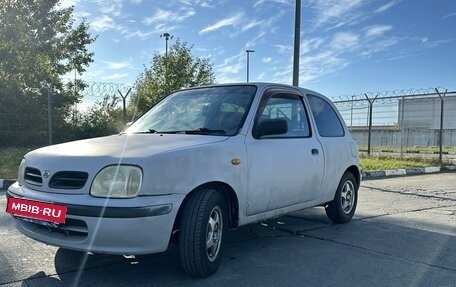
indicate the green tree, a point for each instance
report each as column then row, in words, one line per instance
column 180, row 69
column 104, row 118
column 39, row 43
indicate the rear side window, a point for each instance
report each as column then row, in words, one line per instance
column 328, row 123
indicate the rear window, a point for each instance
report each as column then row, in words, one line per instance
column 328, row 123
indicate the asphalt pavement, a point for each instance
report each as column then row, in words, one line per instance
column 403, row 234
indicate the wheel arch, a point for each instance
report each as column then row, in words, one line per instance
column 353, row 169
column 229, row 194
column 356, row 173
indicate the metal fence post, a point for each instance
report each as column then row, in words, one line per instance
column 124, row 107
column 442, row 96
column 351, row 112
column 369, row 137
column 402, row 125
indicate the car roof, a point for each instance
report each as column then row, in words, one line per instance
column 262, row 86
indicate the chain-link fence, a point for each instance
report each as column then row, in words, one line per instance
column 44, row 116
column 32, row 118
column 415, row 122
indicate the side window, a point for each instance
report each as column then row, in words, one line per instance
column 288, row 107
column 328, row 123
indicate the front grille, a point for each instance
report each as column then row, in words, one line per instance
column 33, row 176
column 68, row 180
column 73, row 229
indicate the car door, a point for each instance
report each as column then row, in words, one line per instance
column 283, row 169
column 338, row 146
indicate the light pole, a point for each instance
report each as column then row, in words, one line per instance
column 167, row 36
column 248, row 62
column 297, row 42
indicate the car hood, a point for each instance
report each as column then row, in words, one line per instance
column 119, row 148
column 92, row 155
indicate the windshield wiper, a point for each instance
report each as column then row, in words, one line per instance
column 198, row 131
column 152, row 131
column 205, row 131
column 149, row 131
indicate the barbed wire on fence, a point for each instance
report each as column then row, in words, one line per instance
column 384, row 97
column 101, row 89
column 96, row 89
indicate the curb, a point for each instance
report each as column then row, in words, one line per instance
column 375, row 174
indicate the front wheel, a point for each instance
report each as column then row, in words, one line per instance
column 201, row 233
column 343, row 206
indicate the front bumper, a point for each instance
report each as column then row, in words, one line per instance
column 140, row 225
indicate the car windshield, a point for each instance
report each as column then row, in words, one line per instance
column 217, row 110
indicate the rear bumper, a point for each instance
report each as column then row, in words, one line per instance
column 127, row 226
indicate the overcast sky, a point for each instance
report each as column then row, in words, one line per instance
column 347, row 46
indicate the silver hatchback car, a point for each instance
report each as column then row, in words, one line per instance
column 200, row 162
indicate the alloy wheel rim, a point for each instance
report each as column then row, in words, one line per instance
column 214, row 233
column 348, row 197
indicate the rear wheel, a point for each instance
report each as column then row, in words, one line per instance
column 201, row 233
column 343, row 206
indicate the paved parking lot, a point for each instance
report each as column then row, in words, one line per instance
column 403, row 234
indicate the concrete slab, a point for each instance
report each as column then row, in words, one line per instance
column 384, row 236
column 290, row 261
column 439, row 186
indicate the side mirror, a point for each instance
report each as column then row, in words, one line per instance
column 271, row 127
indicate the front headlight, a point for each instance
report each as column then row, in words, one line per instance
column 21, row 172
column 117, row 181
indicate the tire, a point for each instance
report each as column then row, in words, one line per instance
column 203, row 220
column 343, row 206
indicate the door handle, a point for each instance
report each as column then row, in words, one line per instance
column 315, row 151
